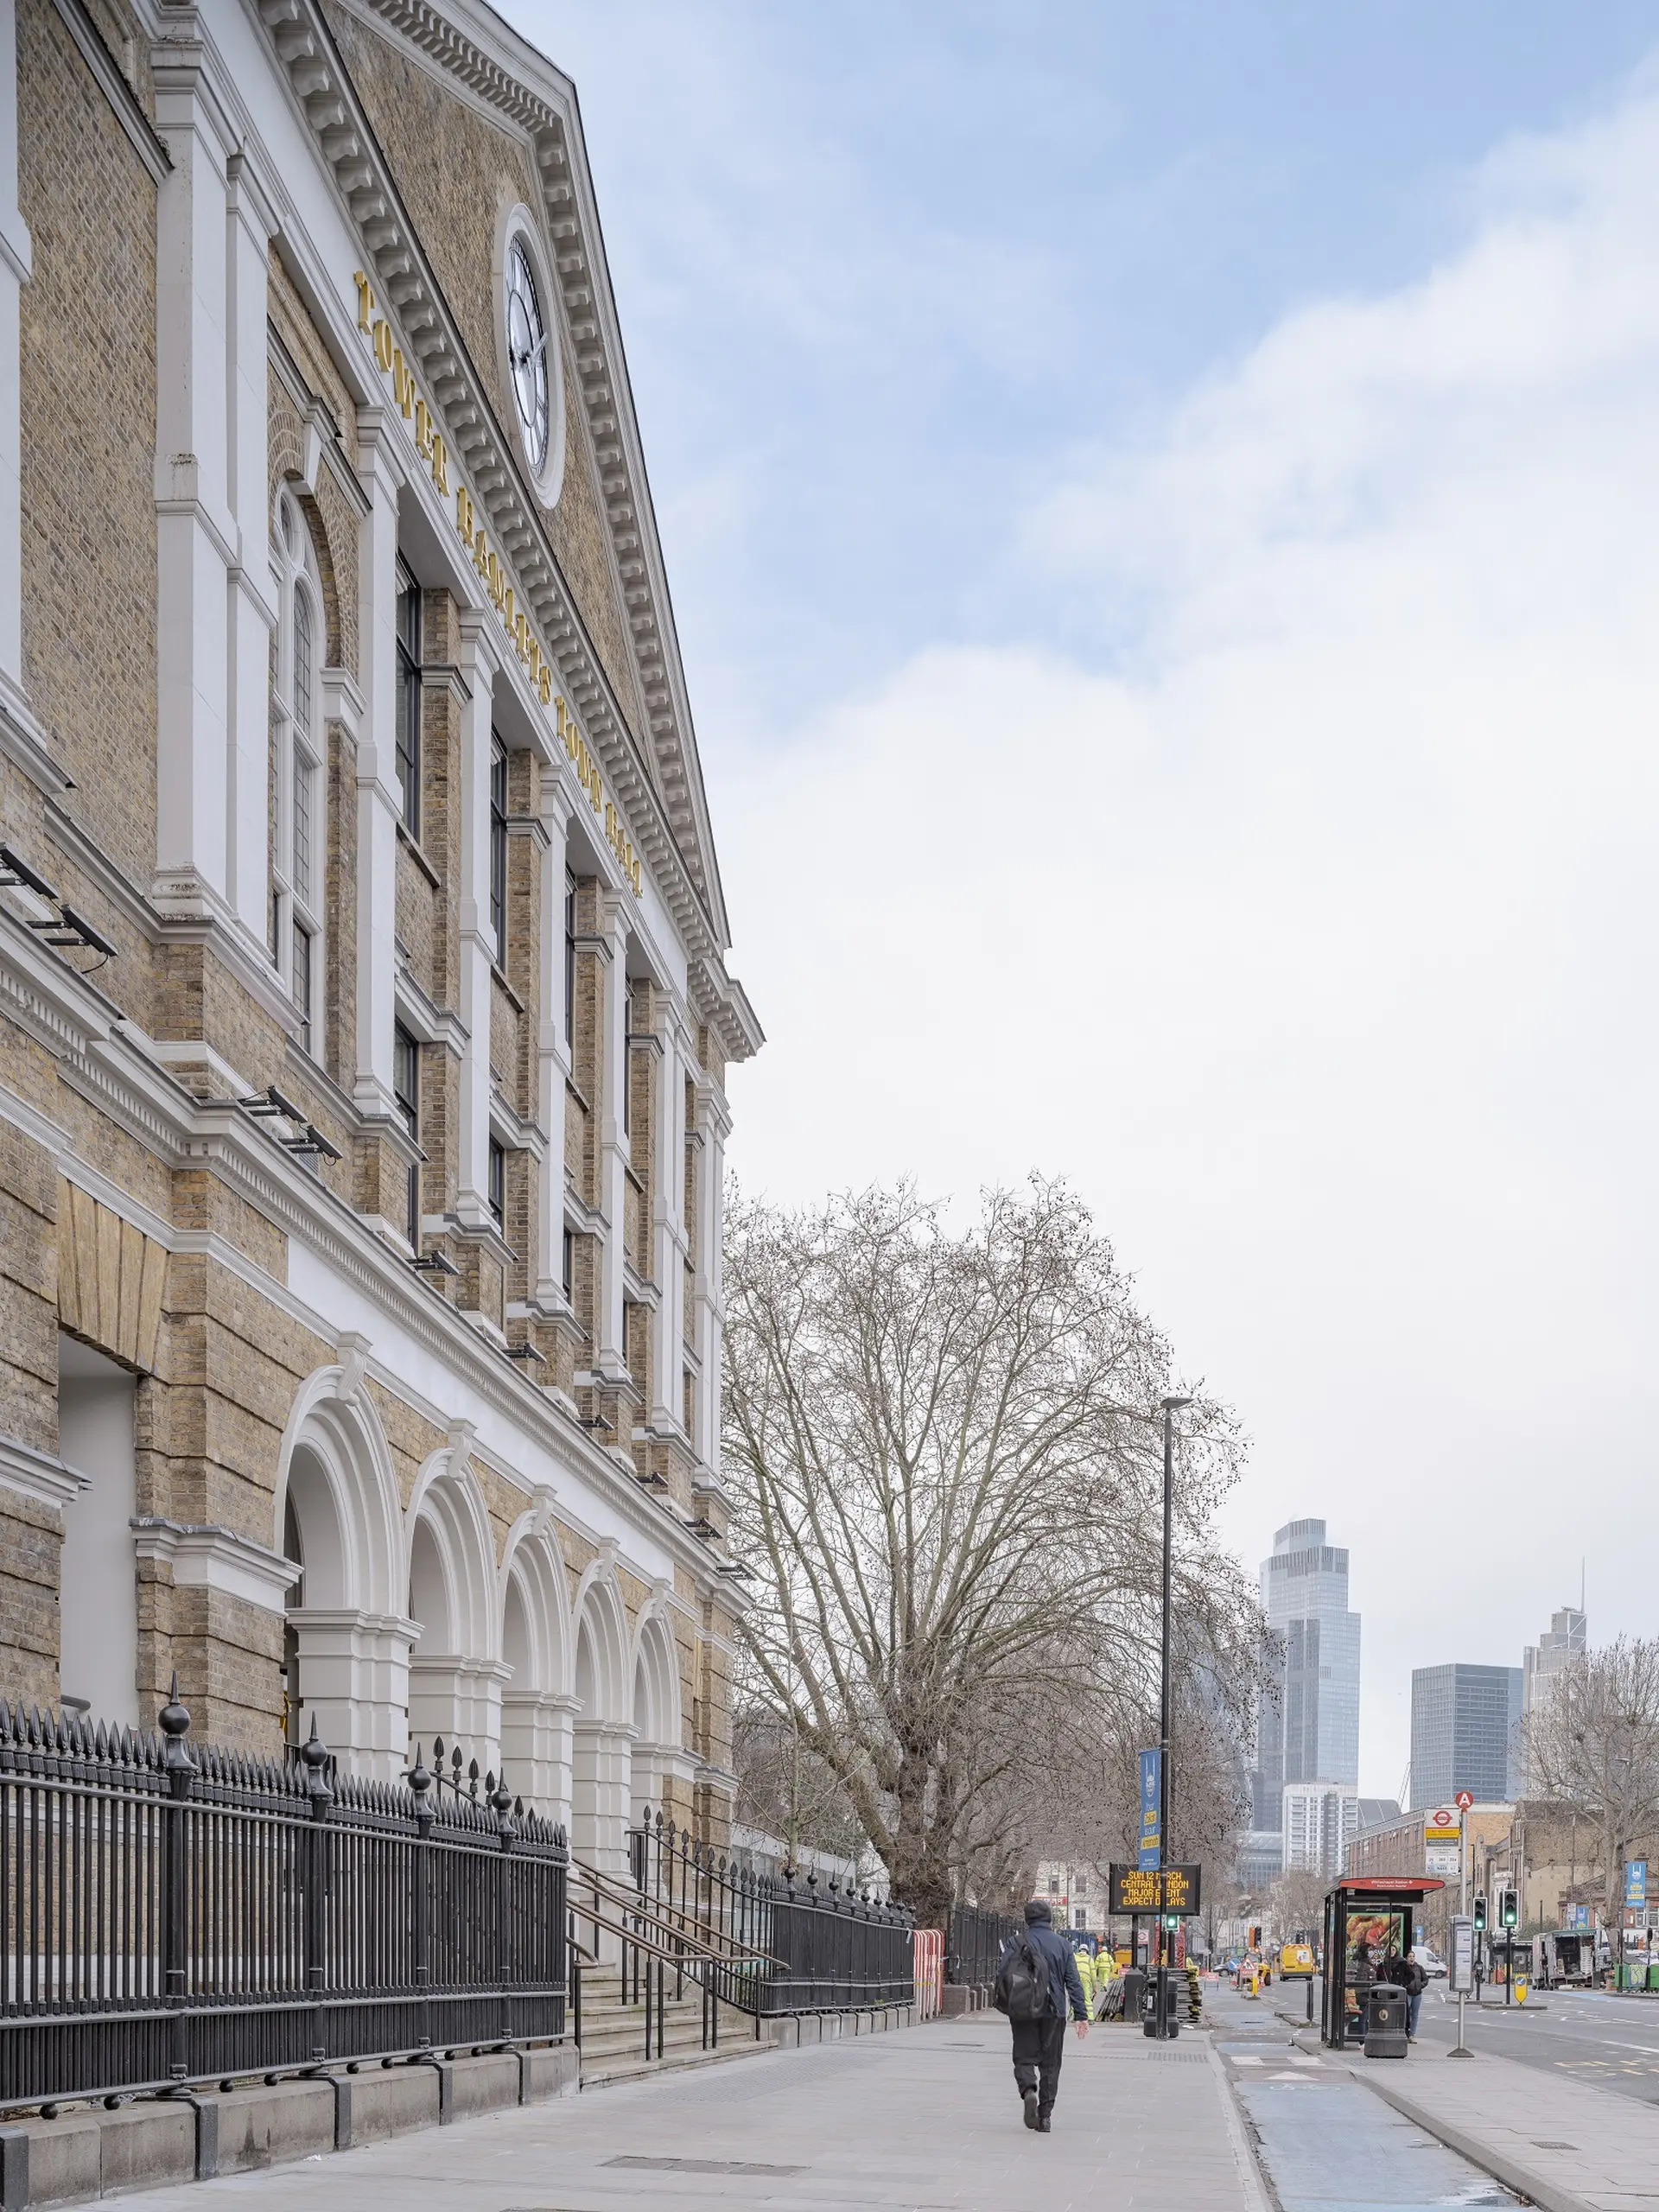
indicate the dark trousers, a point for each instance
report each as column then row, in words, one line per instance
column 1039, row 2047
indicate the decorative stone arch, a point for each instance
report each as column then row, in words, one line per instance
column 663, row 1772
column 455, row 1672
column 538, row 1648
column 602, row 1734
column 336, row 1516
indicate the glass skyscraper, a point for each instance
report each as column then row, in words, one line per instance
column 1464, row 1734
column 1307, row 1736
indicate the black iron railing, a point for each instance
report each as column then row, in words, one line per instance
column 766, row 1945
column 170, row 1912
column 974, row 1946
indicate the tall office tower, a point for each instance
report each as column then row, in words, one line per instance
column 1307, row 1736
column 1565, row 1640
column 1464, row 1733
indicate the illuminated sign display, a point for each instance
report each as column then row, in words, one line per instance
column 1136, row 1888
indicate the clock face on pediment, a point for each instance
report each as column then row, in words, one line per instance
column 527, row 341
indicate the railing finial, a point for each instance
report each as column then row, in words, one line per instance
column 314, row 1755
column 174, row 1724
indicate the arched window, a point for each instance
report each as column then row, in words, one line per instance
column 296, row 784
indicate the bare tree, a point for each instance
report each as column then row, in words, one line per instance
column 1593, row 1746
column 943, row 1461
column 1296, row 1903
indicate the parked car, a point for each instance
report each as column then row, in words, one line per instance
column 1431, row 1962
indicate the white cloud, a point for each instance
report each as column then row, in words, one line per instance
column 1314, row 940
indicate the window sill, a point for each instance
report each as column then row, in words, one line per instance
column 413, row 849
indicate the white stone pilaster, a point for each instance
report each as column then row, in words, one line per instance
column 379, row 801
column 197, row 545
column 477, row 946
column 668, row 1228
column 16, row 265
column 614, row 1145
column 355, row 1684
column 552, row 1050
column 537, row 1748
column 601, row 1793
column 252, row 613
column 459, row 1699
column 715, row 1125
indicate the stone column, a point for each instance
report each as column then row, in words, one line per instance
column 379, row 801
column 537, row 1748
column 355, row 1683
column 600, row 1794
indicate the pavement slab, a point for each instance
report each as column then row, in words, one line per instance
column 927, row 2120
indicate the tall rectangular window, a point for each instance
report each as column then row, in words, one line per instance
column 303, row 983
column 570, row 964
column 498, row 846
column 406, row 1085
column 568, row 1264
column 498, row 1183
column 408, row 698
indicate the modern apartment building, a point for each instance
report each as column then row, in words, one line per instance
column 1464, row 1734
column 364, row 1016
column 1307, row 1736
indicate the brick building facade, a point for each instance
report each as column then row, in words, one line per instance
column 364, row 1012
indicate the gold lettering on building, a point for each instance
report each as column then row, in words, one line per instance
column 428, row 443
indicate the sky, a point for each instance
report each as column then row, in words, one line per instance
column 1162, row 506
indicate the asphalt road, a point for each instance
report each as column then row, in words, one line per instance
column 1613, row 2042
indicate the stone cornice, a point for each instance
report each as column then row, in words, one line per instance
column 453, row 41
column 37, row 1475
column 677, row 847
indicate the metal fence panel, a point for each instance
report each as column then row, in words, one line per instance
column 171, row 1913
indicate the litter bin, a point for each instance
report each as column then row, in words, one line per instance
column 1385, row 2022
column 1134, row 1985
column 1653, row 1977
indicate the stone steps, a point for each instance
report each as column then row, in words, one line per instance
column 614, row 2033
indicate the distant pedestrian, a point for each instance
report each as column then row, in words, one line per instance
column 1412, row 1976
column 1362, row 1979
column 1035, row 1978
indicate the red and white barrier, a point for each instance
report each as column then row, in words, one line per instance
column 928, row 1946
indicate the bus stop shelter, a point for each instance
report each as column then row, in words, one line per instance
column 1375, row 1909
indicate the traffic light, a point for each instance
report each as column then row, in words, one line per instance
column 1511, row 1906
column 1480, row 1912
column 1256, row 1938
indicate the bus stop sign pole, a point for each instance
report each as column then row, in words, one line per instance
column 1463, row 1938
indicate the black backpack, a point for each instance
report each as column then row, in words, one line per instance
column 1022, row 1989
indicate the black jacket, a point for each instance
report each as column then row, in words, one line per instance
column 1064, row 1980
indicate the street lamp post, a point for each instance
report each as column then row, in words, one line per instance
column 1170, row 1407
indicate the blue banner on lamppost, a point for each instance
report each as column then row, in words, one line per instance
column 1636, row 1882
column 1151, row 1849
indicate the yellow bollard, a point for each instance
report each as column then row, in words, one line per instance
column 1522, row 1985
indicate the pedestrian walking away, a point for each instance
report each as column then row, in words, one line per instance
column 1036, row 1979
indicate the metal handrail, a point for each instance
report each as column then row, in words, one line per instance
column 626, row 1898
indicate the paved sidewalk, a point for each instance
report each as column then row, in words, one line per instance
column 1566, row 2145
column 1569, row 2147
column 927, row 2118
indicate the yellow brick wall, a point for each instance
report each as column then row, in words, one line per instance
column 88, row 422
